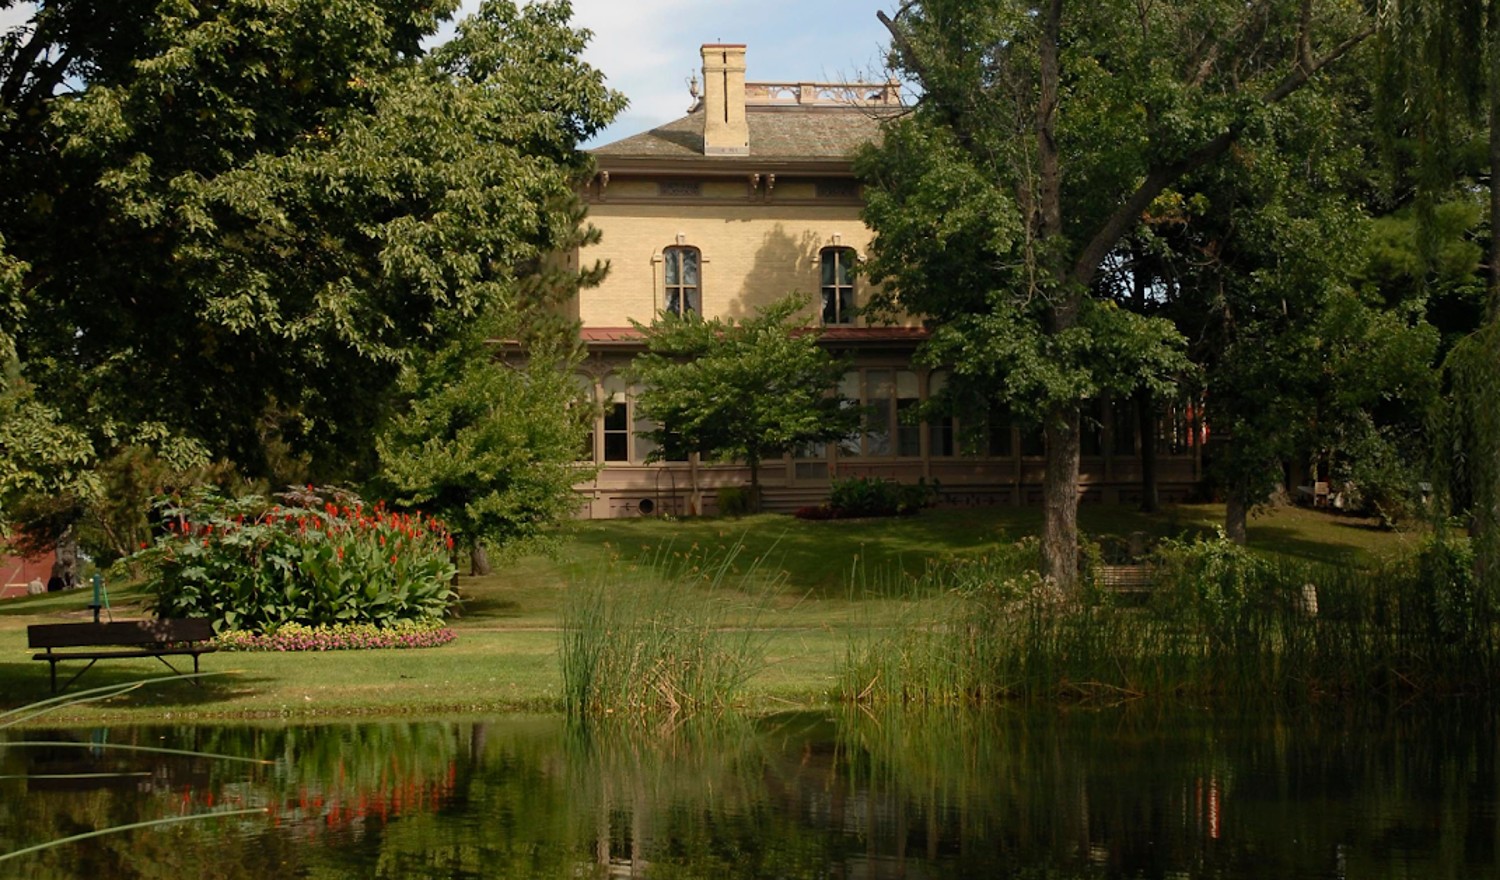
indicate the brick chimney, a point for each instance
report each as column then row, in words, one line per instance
column 725, row 132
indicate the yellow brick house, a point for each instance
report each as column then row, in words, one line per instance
column 746, row 198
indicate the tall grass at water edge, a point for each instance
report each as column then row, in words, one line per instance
column 1220, row 621
column 672, row 633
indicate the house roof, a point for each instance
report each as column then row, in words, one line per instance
column 780, row 133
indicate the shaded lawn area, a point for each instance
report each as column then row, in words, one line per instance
column 807, row 587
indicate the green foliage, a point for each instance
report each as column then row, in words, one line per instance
column 1044, row 137
column 488, row 446
column 1220, row 621
column 871, row 496
column 740, row 390
column 1309, row 357
column 275, row 206
column 321, row 558
column 41, row 457
column 735, row 501
column 1469, row 452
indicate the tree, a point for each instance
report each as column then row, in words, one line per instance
column 1310, row 366
column 1060, row 125
column 240, row 221
column 741, row 390
column 1442, row 81
column 489, row 447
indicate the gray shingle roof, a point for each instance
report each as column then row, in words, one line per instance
column 789, row 133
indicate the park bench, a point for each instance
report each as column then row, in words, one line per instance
column 189, row 636
column 1137, row 578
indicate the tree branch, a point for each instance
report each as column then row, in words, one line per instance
column 930, row 87
column 1161, row 177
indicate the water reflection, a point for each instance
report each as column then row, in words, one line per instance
column 1123, row 793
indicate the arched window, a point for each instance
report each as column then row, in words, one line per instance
column 683, row 290
column 838, row 284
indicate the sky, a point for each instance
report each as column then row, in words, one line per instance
column 649, row 48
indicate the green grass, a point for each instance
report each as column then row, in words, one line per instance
column 823, row 583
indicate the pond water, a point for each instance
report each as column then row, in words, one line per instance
column 1122, row 793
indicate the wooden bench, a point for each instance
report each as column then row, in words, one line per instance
column 1125, row 578
column 187, row 636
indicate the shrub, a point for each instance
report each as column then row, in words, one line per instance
column 735, row 501
column 318, row 559
column 869, row 496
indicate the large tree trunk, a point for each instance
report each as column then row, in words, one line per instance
column 1235, row 511
column 1060, row 499
column 1060, row 487
column 479, row 561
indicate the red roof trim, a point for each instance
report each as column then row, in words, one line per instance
column 827, row 334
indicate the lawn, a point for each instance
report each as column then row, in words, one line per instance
column 806, row 588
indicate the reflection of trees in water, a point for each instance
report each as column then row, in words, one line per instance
column 1245, row 793
column 1138, row 792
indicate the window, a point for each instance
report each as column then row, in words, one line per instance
column 838, row 285
column 940, row 429
column 1091, row 428
column 585, row 386
column 878, row 386
column 625, row 427
column 1124, row 425
column 890, row 399
column 616, row 420
column 849, row 389
column 908, row 429
column 1033, row 440
column 682, row 277
column 1000, row 427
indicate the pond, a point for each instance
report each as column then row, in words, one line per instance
column 1128, row 793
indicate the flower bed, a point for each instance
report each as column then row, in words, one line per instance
column 339, row 637
column 320, row 557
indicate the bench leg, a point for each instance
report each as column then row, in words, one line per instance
column 75, row 675
column 167, row 664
